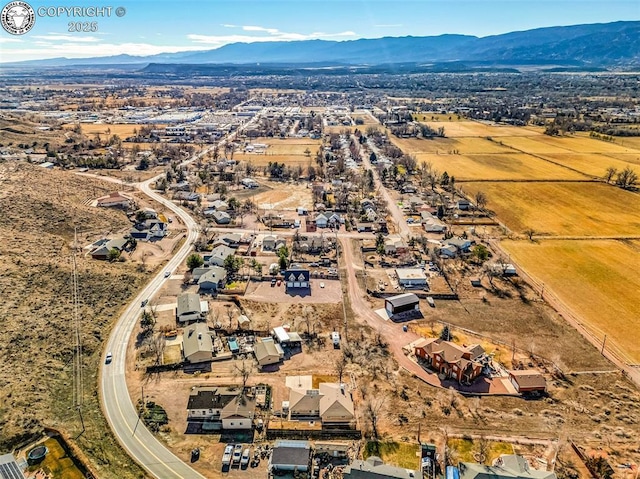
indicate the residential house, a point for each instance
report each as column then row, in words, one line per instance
column 370, row 215
column 364, row 227
column 221, row 217
column 238, row 413
column 431, row 223
column 297, row 278
column 321, row 220
column 285, row 337
column 269, row 243
column 395, row 245
column 102, row 251
column 507, row 466
column 232, row 240
column 452, row 360
column 402, row 303
column 267, row 351
column 219, row 254
column 115, row 200
column 249, row 183
column 213, row 280
column 411, row 277
column 463, row 204
column 374, row 468
column 528, row 381
column 219, row 205
column 463, row 245
column 149, row 230
column 331, row 403
column 197, row 344
column 449, row 251
column 335, row 220
column 408, row 188
column 189, row 308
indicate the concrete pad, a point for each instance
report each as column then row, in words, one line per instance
column 383, row 313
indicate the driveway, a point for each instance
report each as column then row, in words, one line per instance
column 263, row 291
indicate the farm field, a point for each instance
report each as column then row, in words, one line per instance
column 572, row 209
column 123, row 130
column 455, row 129
column 290, row 151
column 542, row 144
column 603, row 289
column 593, row 164
column 512, row 166
column 464, row 146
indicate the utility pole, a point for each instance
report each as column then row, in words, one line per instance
column 604, row 341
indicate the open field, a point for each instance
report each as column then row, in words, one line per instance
column 542, row 144
column 594, row 164
column 510, row 166
column 574, row 209
column 123, row 130
column 467, row 450
column 283, row 196
column 604, row 287
column 40, row 210
column 290, row 151
column 398, row 454
column 455, row 129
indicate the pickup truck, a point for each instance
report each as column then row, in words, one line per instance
column 226, row 457
column 237, row 453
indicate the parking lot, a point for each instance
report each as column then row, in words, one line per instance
column 263, row 291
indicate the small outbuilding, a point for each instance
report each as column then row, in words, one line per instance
column 290, row 456
column 528, row 381
column 267, row 351
column 411, row 277
column 402, row 303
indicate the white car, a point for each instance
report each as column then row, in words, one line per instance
column 322, row 285
column 108, row 358
column 167, row 274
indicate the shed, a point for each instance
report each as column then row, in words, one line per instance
column 267, row 351
column 527, row 381
column 290, row 456
column 401, row 303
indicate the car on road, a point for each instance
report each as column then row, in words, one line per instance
column 108, row 358
column 244, row 462
column 144, row 303
column 237, row 454
column 405, row 328
column 167, row 274
column 314, row 265
column 322, row 285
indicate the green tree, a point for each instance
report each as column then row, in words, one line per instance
column 232, row 264
column 147, row 320
column 380, row 243
column 194, row 261
column 113, row 254
column 481, row 253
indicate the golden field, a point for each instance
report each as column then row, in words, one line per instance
column 557, row 208
column 283, row 150
column 511, row 166
column 596, row 278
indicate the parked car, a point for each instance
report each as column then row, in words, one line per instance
column 322, row 285
column 279, row 282
column 108, row 358
column 226, row 457
column 144, row 303
column 244, row 462
column 273, row 282
column 237, row 453
column 314, row 265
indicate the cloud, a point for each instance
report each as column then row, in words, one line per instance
column 10, row 40
column 272, row 35
column 83, row 50
column 228, row 25
column 67, row 38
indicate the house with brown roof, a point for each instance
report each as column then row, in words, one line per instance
column 528, row 381
column 115, row 200
column 331, row 403
column 454, row 361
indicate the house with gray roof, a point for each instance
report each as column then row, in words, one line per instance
column 374, row 468
column 189, row 308
column 507, row 466
column 197, row 343
column 219, row 254
column 213, row 279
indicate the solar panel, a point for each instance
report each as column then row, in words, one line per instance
column 10, row 470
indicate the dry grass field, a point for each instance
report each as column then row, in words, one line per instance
column 512, row 166
column 290, row 151
column 121, row 129
column 476, row 129
column 568, row 209
column 603, row 287
column 593, row 164
column 40, row 209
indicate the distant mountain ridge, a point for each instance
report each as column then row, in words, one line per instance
column 614, row 44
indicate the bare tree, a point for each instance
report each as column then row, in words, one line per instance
column 529, row 232
column 481, row 200
column 340, row 366
column 483, row 449
column 157, row 346
column 609, row 174
column 372, row 413
column 229, row 314
column 243, row 371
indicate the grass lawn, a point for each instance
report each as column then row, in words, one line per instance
column 399, row 454
column 323, row 378
column 57, row 462
column 571, row 209
column 467, row 449
column 604, row 288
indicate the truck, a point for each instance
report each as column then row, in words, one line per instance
column 226, row 457
column 335, row 338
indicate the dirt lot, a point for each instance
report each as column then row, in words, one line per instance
column 263, row 291
column 290, row 151
column 40, row 210
column 602, row 267
column 284, row 196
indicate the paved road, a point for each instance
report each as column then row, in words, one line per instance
column 116, row 402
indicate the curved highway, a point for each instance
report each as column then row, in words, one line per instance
column 118, row 408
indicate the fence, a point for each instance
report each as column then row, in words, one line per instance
column 305, row 434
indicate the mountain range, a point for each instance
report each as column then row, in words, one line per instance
column 591, row 46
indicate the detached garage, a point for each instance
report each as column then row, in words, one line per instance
column 401, row 303
column 527, row 381
column 290, row 456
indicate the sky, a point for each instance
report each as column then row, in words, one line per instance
column 157, row 26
